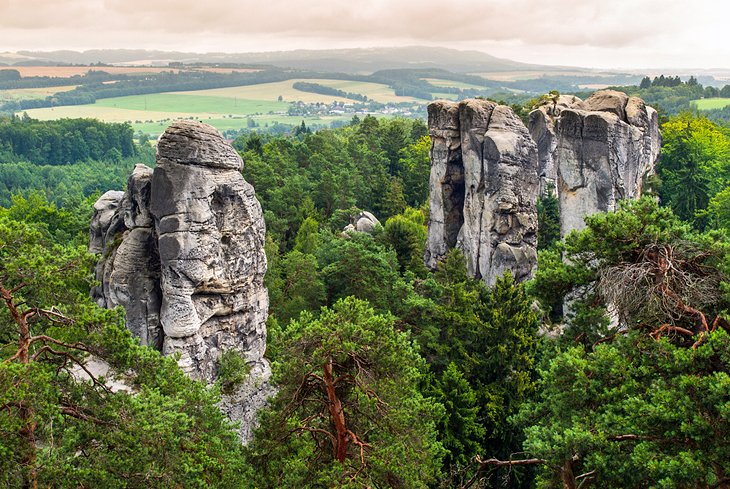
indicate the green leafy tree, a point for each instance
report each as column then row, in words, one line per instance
column 695, row 164
column 301, row 289
column 360, row 266
column 406, row 234
column 633, row 413
column 308, row 240
column 81, row 403
column 490, row 337
column 640, row 403
column 548, row 218
column 348, row 412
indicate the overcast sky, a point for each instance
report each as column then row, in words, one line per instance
column 591, row 33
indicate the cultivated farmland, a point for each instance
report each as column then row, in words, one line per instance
column 711, row 103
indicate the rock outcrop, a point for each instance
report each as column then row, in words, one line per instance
column 483, row 189
column 183, row 253
column 594, row 152
column 364, row 222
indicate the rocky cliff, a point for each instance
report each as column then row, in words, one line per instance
column 483, row 188
column 182, row 250
column 594, row 152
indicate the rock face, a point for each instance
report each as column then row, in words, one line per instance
column 594, row 152
column 483, row 189
column 183, row 253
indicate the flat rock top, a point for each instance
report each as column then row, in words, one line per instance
column 608, row 101
column 188, row 142
column 110, row 200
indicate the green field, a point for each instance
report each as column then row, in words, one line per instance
column 711, row 103
column 445, row 96
column 194, row 104
column 454, row 84
column 271, row 91
column 224, row 108
column 156, row 128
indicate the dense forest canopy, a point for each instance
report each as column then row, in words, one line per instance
column 445, row 382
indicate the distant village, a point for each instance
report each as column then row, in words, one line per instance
column 403, row 109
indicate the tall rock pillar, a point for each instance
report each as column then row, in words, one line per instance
column 483, row 189
column 596, row 152
column 183, row 253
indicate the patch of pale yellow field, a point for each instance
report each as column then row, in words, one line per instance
column 112, row 114
column 272, row 91
column 507, row 76
column 450, row 83
column 33, row 93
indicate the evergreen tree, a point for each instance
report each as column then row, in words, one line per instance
column 65, row 424
column 348, row 412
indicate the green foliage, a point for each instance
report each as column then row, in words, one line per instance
column 63, row 429
column 307, row 240
column 634, row 413
column 460, row 430
column 478, row 341
column 352, row 357
column 325, row 90
column 643, row 403
column 695, row 165
column 64, row 141
column 68, row 224
column 406, row 234
column 232, row 371
column 548, row 219
column 610, row 239
column 359, row 266
column 300, row 287
column 376, row 165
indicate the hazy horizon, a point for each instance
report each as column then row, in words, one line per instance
column 623, row 34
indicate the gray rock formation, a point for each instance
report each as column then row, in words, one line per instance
column 183, row 253
column 595, row 152
column 364, row 222
column 483, row 189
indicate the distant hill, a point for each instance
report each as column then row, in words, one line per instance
column 361, row 60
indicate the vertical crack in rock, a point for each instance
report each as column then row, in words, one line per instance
column 483, row 189
column 596, row 152
column 182, row 250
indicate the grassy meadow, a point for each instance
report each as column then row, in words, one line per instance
column 711, row 103
column 224, row 108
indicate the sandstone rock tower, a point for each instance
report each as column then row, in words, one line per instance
column 594, row 152
column 182, row 250
column 483, row 189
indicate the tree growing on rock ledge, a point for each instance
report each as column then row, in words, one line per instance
column 641, row 400
column 348, row 412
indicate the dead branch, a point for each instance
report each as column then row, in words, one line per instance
column 493, row 462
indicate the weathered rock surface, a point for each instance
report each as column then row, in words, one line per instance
column 483, row 189
column 183, row 253
column 595, row 152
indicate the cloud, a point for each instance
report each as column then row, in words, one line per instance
column 236, row 25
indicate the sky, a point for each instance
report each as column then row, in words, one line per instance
column 589, row 33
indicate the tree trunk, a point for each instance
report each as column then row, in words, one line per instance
column 28, row 457
column 337, row 415
column 566, row 474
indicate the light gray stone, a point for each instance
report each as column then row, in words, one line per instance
column 596, row 152
column 484, row 188
column 183, row 253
